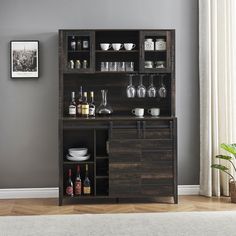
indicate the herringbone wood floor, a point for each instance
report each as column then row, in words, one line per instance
column 50, row 206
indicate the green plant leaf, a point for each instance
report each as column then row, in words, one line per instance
column 229, row 148
column 219, row 167
column 224, row 157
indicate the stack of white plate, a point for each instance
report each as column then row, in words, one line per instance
column 78, row 154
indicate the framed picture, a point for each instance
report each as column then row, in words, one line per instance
column 24, row 59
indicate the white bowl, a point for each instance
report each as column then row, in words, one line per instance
column 82, row 158
column 78, row 152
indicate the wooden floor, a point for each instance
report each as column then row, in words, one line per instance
column 50, row 206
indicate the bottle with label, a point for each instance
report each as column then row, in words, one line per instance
column 85, row 106
column 85, row 44
column 87, row 183
column 80, row 101
column 91, row 104
column 78, row 182
column 72, row 106
column 69, row 185
column 73, row 43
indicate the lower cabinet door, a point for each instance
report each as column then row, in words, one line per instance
column 124, row 168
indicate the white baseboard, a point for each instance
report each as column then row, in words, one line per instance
column 14, row 193
column 188, row 189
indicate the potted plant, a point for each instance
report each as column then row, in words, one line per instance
column 231, row 148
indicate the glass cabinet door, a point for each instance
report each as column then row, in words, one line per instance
column 79, row 51
column 155, row 51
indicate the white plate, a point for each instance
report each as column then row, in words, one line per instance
column 78, row 152
column 83, row 158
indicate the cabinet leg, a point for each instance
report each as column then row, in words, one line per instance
column 117, row 200
column 176, row 199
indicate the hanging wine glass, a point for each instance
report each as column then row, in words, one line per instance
column 151, row 89
column 141, row 90
column 130, row 90
column 162, row 91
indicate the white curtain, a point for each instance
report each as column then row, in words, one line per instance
column 217, row 64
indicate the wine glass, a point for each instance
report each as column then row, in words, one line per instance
column 151, row 89
column 141, row 90
column 130, row 90
column 162, row 91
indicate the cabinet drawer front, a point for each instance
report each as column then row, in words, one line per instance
column 125, row 134
column 158, row 190
column 157, row 155
column 147, row 144
column 157, row 133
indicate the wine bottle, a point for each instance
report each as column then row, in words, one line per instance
column 80, row 101
column 69, row 185
column 87, row 183
column 85, row 106
column 73, row 43
column 72, row 106
column 78, row 182
column 91, row 104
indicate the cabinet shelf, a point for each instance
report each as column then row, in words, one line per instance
column 78, row 51
column 102, row 157
column 77, row 162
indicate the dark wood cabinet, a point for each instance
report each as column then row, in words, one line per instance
column 130, row 157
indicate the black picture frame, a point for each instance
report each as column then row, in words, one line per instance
column 24, row 59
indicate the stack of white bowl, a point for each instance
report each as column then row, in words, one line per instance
column 78, row 154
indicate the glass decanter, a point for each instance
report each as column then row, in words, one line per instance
column 104, row 109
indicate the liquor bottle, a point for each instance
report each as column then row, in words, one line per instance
column 73, row 43
column 80, row 101
column 91, row 104
column 72, row 106
column 87, row 183
column 85, row 106
column 69, row 185
column 78, row 182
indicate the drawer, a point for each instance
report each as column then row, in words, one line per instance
column 157, row 155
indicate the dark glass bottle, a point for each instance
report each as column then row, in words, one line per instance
column 78, row 182
column 87, row 183
column 72, row 106
column 85, row 106
column 69, row 185
column 91, row 104
column 80, row 101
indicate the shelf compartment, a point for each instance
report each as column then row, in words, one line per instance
column 79, row 139
column 77, row 162
column 102, row 187
column 82, row 174
column 102, row 167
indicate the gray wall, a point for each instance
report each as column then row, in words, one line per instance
column 29, row 108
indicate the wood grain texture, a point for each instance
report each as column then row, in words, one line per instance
column 22, row 207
